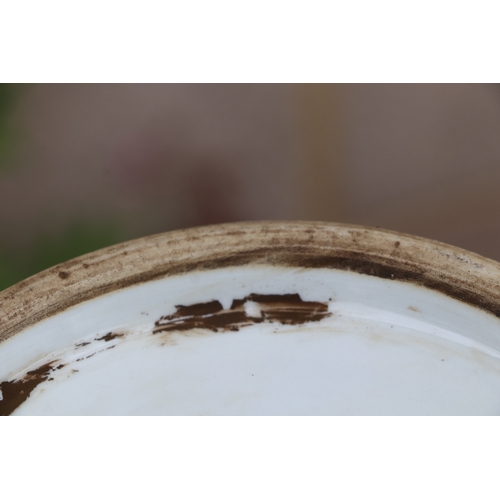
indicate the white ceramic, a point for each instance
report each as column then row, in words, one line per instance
column 256, row 319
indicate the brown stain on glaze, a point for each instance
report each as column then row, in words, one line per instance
column 110, row 336
column 82, row 344
column 16, row 392
column 63, row 275
column 287, row 309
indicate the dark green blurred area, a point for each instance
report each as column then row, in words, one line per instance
column 8, row 96
column 47, row 251
column 78, row 238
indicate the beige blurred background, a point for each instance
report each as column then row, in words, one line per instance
column 84, row 166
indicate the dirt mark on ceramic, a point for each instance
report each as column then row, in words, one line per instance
column 287, row 309
column 16, row 392
column 110, row 336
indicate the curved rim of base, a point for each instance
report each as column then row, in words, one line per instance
column 460, row 274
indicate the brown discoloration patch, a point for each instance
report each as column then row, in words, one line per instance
column 16, row 392
column 85, row 265
column 287, row 309
column 110, row 336
column 415, row 309
column 63, row 275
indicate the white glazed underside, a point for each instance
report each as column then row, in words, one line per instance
column 389, row 348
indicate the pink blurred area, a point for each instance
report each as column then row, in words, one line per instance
column 421, row 158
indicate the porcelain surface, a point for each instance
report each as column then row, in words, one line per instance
column 258, row 339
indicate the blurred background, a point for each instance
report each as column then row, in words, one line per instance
column 83, row 166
